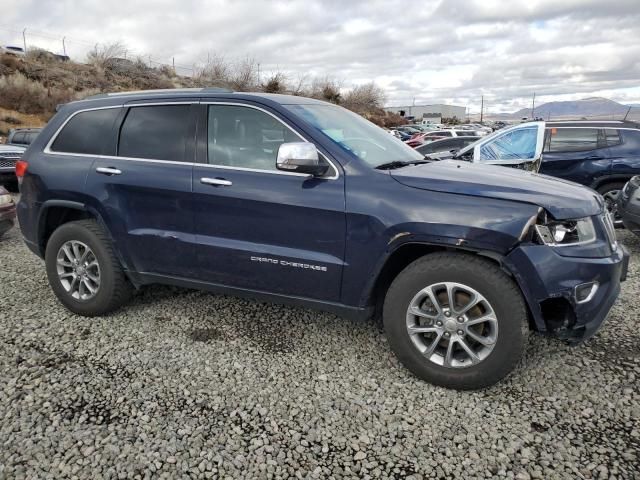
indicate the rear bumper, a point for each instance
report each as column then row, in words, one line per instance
column 548, row 282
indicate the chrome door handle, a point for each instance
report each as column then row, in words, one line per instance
column 108, row 171
column 216, row 181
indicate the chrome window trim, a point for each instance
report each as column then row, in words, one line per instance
column 53, row 138
column 335, row 176
column 47, row 150
column 593, row 127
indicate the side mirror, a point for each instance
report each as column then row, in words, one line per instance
column 300, row 157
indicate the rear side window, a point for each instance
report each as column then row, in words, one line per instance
column 19, row 138
column 573, row 139
column 155, row 132
column 86, row 132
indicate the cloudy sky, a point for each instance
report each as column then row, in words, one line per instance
column 432, row 51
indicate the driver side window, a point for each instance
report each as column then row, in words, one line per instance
column 244, row 137
column 516, row 145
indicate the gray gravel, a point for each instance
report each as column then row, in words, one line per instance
column 189, row 384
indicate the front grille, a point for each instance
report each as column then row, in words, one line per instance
column 8, row 162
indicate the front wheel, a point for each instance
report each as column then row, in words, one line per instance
column 456, row 320
column 83, row 269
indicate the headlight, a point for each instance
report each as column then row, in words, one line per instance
column 567, row 232
column 5, row 199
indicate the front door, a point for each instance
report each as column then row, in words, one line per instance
column 259, row 228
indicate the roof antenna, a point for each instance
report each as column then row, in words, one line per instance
column 626, row 114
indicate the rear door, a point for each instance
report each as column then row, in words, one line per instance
column 624, row 149
column 143, row 191
column 260, row 228
column 579, row 154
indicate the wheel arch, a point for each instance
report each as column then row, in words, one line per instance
column 408, row 252
column 602, row 181
column 55, row 213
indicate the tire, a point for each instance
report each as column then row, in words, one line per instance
column 607, row 191
column 502, row 296
column 114, row 288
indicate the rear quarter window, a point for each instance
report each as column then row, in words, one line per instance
column 86, row 132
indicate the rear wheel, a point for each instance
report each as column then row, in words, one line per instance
column 83, row 270
column 610, row 193
column 456, row 320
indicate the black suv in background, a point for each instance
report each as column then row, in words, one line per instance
column 602, row 155
column 22, row 136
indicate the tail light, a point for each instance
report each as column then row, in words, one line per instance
column 21, row 168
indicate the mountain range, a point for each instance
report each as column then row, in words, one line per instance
column 594, row 107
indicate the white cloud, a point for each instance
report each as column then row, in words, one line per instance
column 454, row 50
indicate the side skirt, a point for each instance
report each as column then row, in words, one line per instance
column 339, row 309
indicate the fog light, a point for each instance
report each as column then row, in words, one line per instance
column 585, row 291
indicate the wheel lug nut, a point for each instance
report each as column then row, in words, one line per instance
column 439, row 324
column 460, row 332
column 447, row 313
column 460, row 319
column 447, row 334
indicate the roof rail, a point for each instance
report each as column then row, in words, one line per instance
column 216, row 90
column 162, row 91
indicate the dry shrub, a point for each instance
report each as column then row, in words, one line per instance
column 364, row 98
column 17, row 92
column 101, row 55
column 276, row 83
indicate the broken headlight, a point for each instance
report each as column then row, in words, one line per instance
column 566, row 232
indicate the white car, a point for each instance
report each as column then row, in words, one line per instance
column 12, row 50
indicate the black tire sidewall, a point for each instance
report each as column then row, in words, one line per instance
column 506, row 302
column 101, row 301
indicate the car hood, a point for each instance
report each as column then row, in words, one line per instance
column 11, row 148
column 560, row 198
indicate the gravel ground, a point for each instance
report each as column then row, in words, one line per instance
column 189, row 384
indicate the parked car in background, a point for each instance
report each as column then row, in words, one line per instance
column 22, row 136
column 7, row 211
column 401, row 135
column 603, row 155
column 9, row 155
column 446, row 146
column 119, row 191
column 408, row 130
column 12, row 50
column 628, row 205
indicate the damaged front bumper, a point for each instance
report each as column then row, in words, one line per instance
column 569, row 297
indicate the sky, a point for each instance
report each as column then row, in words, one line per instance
column 450, row 51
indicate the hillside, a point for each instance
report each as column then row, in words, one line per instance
column 32, row 86
column 589, row 107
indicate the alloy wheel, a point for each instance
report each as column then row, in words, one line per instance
column 78, row 270
column 452, row 325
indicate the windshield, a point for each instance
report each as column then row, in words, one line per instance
column 356, row 135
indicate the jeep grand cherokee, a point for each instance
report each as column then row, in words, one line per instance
column 299, row 201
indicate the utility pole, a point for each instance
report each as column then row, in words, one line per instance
column 533, row 106
column 24, row 39
column 64, row 47
column 481, row 108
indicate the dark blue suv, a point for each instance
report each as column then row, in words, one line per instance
column 299, row 201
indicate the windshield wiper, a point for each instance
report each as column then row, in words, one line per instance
column 400, row 164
